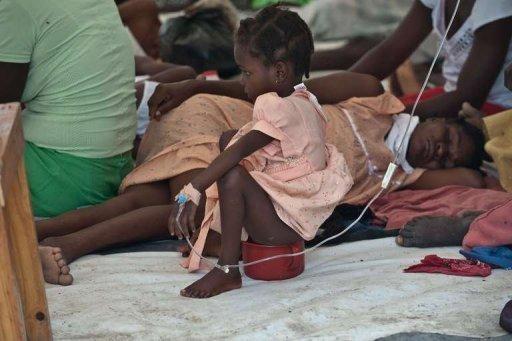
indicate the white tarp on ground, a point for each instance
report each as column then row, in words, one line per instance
column 354, row 291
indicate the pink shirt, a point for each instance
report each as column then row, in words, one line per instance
column 298, row 125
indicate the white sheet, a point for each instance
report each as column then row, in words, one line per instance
column 355, row 291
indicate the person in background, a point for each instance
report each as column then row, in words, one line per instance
column 475, row 53
column 74, row 75
column 142, row 17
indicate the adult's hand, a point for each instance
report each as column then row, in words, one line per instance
column 169, row 96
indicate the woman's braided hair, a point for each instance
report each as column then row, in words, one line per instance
column 278, row 34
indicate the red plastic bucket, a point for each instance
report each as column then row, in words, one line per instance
column 275, row 269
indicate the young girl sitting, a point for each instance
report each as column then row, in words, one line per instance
column 278, row 180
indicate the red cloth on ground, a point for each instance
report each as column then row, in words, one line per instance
column 493, row 228
column 487, row 109
column 447, row 266
column 398, row 208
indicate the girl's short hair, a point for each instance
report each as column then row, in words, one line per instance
column 277, row 34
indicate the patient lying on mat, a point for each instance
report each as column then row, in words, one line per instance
column 450, row 231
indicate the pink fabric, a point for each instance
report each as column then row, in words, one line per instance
column 493, row 228
column 305, row 177
column 447, row 266
column 398, row 208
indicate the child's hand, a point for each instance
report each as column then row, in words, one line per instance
column 186, row 220
column 471, row 115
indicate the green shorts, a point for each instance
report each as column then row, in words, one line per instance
column 61, row 182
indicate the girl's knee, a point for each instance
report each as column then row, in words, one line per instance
column 225, row 138
column 234, row 178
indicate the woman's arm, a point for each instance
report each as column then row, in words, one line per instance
column 14, row 77
column 149, row 66
column 230, row 157
column 432, row 179
column 478, row 74
column 340, row 86
column 171, row 95
column 330, row 89
column 386, row 57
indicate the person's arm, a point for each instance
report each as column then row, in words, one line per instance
column 478, row 74
column 14, row 77
column 230, row 157
column 342, row 85
column 432, row 179
column 344, row 57
column 386, row 57
column 132, row 8
column 171, row 95
column 148, row 66
column 16, row 49
column 329, row 89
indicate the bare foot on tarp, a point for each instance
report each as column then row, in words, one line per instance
column 211, row 246
column 435, row 231
column 213, row 283
column 55, row 268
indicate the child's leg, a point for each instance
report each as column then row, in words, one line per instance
column 135, row 197
column 243, row 203
column 143, row 224
column 212, row 244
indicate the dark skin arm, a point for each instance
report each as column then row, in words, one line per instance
column 149, row 66
column 229, row 158
column 173, row 73
column 14, row 77
column 386, row 57
column 477, row 75
column 342, row 58
column 330, row 89
column 432, row 179
column 132, row 8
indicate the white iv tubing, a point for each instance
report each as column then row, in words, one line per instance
column 385, row 182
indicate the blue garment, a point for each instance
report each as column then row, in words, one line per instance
column 500, row 256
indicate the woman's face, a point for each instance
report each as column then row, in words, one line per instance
column 436, row 144
column 256, row 77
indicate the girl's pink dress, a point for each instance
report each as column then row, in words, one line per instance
column 304, row 177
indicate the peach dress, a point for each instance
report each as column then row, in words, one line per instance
column 304, row 177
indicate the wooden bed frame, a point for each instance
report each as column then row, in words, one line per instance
column 23, row 307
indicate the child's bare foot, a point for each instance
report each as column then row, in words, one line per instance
column 55, row 268
column 213, row 283
column 211, row 246
column 435, row 231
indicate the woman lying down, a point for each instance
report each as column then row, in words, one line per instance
column 363, row 126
